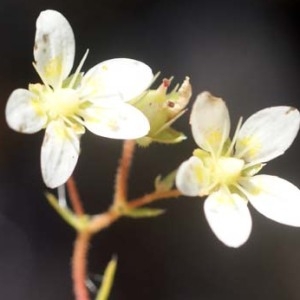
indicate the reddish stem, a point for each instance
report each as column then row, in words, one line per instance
column 98, row 223
column 120, row 196
column 79, row 265
column 149, row 198
column 74, row 197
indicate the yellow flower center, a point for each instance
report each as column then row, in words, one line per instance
column 227, row 170
column 61, row 103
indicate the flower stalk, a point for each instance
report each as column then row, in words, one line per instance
column 97, row 223
column 120, row 197
column 74, row 197
column 79, row 265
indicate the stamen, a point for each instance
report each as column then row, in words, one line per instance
column 229, row 194
column 43, row 80
column 165, row 84
column 238, row 127
column 219, row 152
column 67, row 121
column 78, row 120
column 251, row 164
column 211, row 151
column 225, row 188
column 78, row 69
column 93, row 98
column 139, row 98
column 242, row 153
column 175, row 88
column 209, row 189
column 242, row 190
column 154, row 78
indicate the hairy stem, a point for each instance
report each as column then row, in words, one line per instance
column 149, row 198
column 101, row 221
column 79, row 265
column 97, row 224
column 120, row 196
column 74, row 197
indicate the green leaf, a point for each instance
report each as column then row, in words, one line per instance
column 78, row 222
column 108, row 280
column 165, row 184
column 144, row 212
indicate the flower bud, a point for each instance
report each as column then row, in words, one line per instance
column 162, row 109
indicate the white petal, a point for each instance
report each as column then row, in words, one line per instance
column 54, row 47
column 228, row 217
column 275, row 198
column 116, row 121
column 59, row 154
column 210, row 122
column 122, row 78
column 267, row 133
column 189, row 177
column 22, row 114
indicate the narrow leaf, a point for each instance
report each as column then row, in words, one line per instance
column 108, row 279
column 144, row 212
column 79, row 223
column 165, row 184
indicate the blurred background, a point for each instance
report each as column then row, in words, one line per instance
column 247, row 52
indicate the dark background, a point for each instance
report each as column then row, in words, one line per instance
column 247, row 52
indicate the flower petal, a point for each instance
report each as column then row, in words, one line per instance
column 54, row 47
column 229, row 218
column 122, row 78
column 267, row 134
column 275, row 198
column 210, row 122
column 190, row 177
column 59, row 154
column 116, row 121
column 22, row 114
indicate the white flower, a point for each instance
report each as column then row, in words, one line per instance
column 65, row 106
column 225, row 169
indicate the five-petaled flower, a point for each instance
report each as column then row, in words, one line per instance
column 225, row 170
column 65, row 105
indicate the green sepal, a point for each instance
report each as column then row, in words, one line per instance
column 169, row 136
column 108, row 279
column 78, row 222
column 166, row 136
column 144, row 141
column 144, row 212
column 166, row 183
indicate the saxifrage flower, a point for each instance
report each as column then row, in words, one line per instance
column 66, row 104
column 225, row 169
